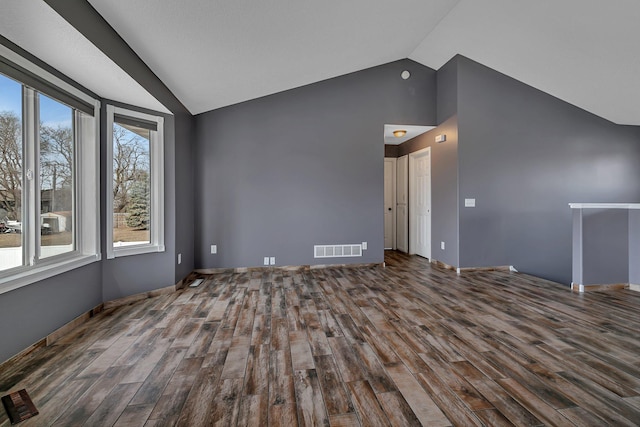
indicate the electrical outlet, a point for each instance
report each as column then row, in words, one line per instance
column 272, row 260
column 442, row 245
column 266, row 260
column 179, row 258
column 214, row 249
column 364, row 246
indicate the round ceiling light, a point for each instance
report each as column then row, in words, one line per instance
column 405, row 75
column 399, row 133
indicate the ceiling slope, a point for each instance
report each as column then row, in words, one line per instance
column 35, row 27
column 583, row 52
column 215, row 53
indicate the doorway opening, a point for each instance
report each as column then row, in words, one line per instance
column 406, row 229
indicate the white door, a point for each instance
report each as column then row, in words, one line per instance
column 420, row 202
column 402, row 208
column 389, row 203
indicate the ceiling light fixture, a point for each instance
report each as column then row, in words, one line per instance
column 399, row 133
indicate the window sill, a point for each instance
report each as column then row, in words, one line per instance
column 36, row 274
column 121, row 251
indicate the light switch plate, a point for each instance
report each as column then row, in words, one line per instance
column 469, row 203
column 214, row 249
column 364, row 246
column 272, row 260
column 266, row 260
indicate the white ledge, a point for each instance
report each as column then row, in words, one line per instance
column 45, row 271
column 604, row 205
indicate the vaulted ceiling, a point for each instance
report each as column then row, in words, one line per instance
column 214, row 53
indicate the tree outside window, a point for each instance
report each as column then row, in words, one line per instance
column 11, row 187
column 131, row 184
column 10, row 166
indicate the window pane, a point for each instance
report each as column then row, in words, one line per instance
column 56, row 177
column 11, row 253
column 131, row 185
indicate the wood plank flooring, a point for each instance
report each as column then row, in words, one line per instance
column 409, row 344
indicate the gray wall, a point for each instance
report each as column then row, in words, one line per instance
column 605, row 247
column 130, row 275
column 524, row 155
column 32, row 312
column 447, row 96
column 634, row 247
column 276, row 175
column 576, row 247
column 184, row 195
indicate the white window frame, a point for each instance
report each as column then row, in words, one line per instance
column 87, row 189
column 156, row 153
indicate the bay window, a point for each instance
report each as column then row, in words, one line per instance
column 49, row 183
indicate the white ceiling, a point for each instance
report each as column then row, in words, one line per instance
column 61, row 46
column 214, row 53
column 412, row 132
column 585, row 52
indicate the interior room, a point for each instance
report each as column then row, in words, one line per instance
column 387, row 213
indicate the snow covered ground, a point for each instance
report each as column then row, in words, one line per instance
column 12, row 257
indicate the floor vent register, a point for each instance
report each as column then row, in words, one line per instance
column 19, row 406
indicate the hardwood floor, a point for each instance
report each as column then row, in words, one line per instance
column 408, row 344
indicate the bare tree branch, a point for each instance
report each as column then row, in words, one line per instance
column 10, row 164
column 130, row 160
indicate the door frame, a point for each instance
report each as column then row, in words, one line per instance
column 402, row 187
column 412, row 201
column 392, row 161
